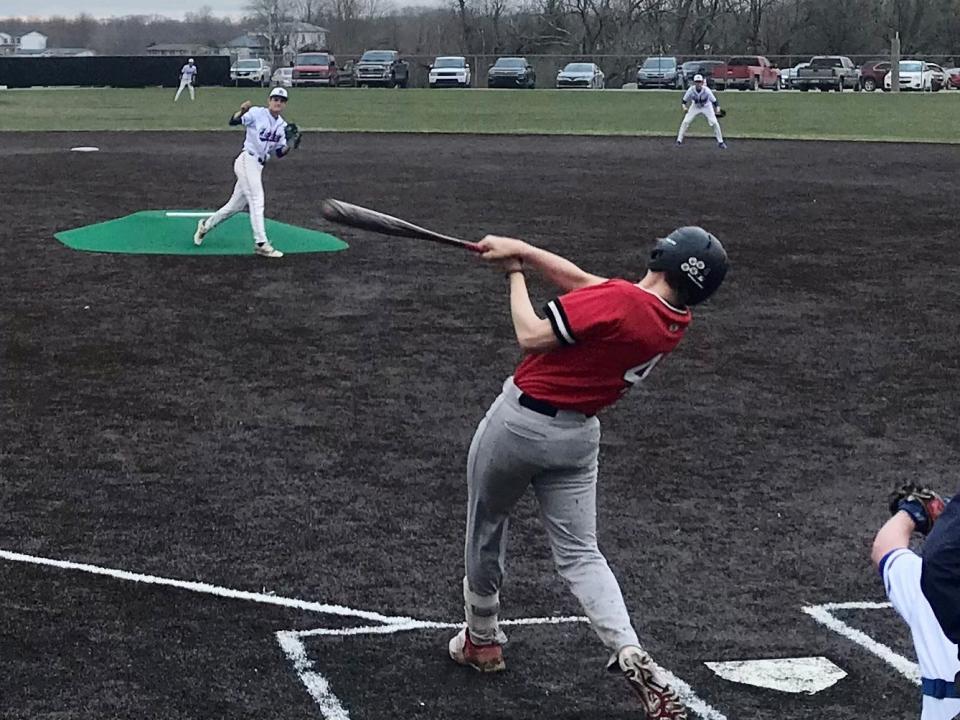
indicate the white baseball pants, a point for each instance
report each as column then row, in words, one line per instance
column 247, row 193
column 184, row 84
column 706, row 111
column 515, row 448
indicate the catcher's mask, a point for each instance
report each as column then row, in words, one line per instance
column 694, row 262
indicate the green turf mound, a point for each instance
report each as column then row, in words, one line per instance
column 170, row 232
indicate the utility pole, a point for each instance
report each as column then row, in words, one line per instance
column 895, row 63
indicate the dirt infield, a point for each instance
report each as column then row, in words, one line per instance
column 299, row 428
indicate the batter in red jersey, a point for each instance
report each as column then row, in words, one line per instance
column 598, row 339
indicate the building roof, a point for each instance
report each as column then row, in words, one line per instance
column 186, row 47
column 248, row 40
column 34, row 32
column 68, row 51
column 302, row 27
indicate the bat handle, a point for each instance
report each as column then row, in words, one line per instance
column 475, row 247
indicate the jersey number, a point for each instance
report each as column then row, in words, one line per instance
column 639, row 372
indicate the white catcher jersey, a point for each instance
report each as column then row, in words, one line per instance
column 264, row 132
column 936, row 654
column 699, row 97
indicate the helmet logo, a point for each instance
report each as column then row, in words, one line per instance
column 694, row 270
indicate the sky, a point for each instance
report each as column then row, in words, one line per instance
column 109, row 8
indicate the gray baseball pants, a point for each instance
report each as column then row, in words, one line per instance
column 515, row 447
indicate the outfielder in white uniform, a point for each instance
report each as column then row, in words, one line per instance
column 700, row 100
column 265, row 139
column 188, row 74
column 900, row 569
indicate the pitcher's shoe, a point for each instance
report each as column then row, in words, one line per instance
column 659, row 700
column 199, row 234
column 485, row 658
column 267, row 250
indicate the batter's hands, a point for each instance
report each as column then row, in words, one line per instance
column 497, row 248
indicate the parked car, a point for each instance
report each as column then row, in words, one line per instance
column 751, row 72
column 918, row 75
column 939, row 79
column 345, row 76
column 828, row 72
column 714, row 72
column 788, row 75
column 253, row 70
column 312, row 69
column 954, row 77
column 659, row 71
column 381, row 67
column 282, row 77
column 872, row 74
column 581, row 75
column 511, row 72
column 450, row 71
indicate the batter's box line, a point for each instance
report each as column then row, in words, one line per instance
column 290, row 640
column 824, row 614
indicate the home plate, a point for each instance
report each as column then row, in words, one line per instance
column 84, row 148
column 793, row 675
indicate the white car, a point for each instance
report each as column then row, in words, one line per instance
column 788, row 74
column 282, row 77
column 450, row 71
column 581, row 75
column 254, row 70
column 918, row 75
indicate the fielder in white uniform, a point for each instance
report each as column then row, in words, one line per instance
column 700, row 100
column 188, row 74
column 900, row 569
column 265, row 139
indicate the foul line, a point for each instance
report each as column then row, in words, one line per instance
column 823, row 614
column 189, row 214
column 208, row 589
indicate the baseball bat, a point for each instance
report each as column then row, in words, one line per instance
column 346, row 213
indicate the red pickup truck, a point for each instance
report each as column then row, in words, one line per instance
column 751, row 72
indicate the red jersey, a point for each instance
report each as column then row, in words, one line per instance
column 611, row 336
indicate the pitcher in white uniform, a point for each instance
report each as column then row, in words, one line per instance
column 188, row 73
column 265, row 139
column 900, row 569
column 700, row 100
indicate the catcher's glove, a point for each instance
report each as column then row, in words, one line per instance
column 922, row 504
column 721, row 113
column 292, row 133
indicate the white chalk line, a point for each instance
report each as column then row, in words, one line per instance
column 290, row 642
column 331, row 709
column 823, row 614
column 208, row 589
column 178, row 214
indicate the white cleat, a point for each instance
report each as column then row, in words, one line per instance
column 267, row 250
column 658, row 700
column 199, row 234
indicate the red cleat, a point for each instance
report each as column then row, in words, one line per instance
column 485, row 658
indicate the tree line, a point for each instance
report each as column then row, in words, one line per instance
column 560, row 27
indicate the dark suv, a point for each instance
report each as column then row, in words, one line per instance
column 511, row 72
column 661, row 72
column 381, row 67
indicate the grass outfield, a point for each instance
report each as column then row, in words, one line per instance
column 906, row 117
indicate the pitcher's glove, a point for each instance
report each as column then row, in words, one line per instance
column 922, row 504
column 721, row 113
column 292, row 133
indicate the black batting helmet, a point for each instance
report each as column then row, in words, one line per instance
column 694, row 262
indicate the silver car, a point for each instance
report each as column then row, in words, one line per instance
column 581, row 75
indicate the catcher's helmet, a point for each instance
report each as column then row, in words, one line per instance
column 694, row 262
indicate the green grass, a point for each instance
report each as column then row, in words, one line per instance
column 906, row 117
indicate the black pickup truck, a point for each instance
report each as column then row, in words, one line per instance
column 381, row 67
